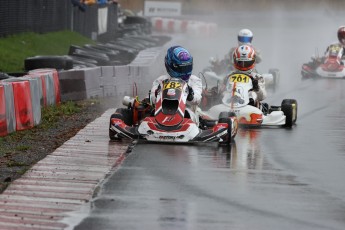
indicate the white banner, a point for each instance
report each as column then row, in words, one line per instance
column 157, row 8
column 102, row 20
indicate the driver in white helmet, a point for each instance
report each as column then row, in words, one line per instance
column 244, row 37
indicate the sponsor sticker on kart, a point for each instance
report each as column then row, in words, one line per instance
column 167, row 138
column 171, row 92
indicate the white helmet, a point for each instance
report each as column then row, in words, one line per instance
column 245, row 37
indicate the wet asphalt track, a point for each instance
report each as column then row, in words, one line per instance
column 270, row 178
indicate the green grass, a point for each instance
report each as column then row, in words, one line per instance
column 16, row 48
column 22, row 148
column 15, row 164
column 51, row 114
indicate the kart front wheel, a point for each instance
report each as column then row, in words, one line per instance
column 225, row 117
column 289, row 108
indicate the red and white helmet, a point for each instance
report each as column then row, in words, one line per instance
column 244, row 58
column 341, row 35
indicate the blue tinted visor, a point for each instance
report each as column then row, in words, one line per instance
column 245, row 39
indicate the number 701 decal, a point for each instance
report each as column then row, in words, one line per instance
column 239, row 78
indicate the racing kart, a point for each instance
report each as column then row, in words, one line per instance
column 329, row 66
column 236, row 99
column 168, row 119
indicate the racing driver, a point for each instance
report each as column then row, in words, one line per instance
column 244, row 62
column 341, row 39
column 244, row 37
column 179, row 64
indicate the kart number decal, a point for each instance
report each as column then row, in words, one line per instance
column 239, row 78
column 173, row 85
column 334, row 48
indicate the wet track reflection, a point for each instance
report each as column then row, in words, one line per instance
column 204, row 186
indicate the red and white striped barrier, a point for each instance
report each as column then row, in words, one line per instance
column 9, row 111
column 3, row 121
column 23, row 105
column 51, row 85
column 170, row 25
column 22, row 98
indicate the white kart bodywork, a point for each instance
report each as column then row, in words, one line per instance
column 333, row 65
column 275, row 118
column 236, row 99
column 327, row 74
column 163, row 136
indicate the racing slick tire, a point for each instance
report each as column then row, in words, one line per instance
column 289, row 108
column 127, row 115
column 123, row 114
column 56, row 62
column 112, row 133
column 225, row 117
column 294, row 104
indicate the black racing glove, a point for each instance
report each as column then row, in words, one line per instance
column 157, row 90
column 190, row 96
column 255, row 84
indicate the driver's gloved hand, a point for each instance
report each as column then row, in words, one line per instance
column 251, row 102
column 157, row 90
column 190, row 96
column 255, row 84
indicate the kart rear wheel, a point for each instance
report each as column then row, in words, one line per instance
column 294, row 105
column 127, row 115
column 225, row 117
column 112, row 133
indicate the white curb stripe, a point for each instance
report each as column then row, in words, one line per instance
column 63, row 181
